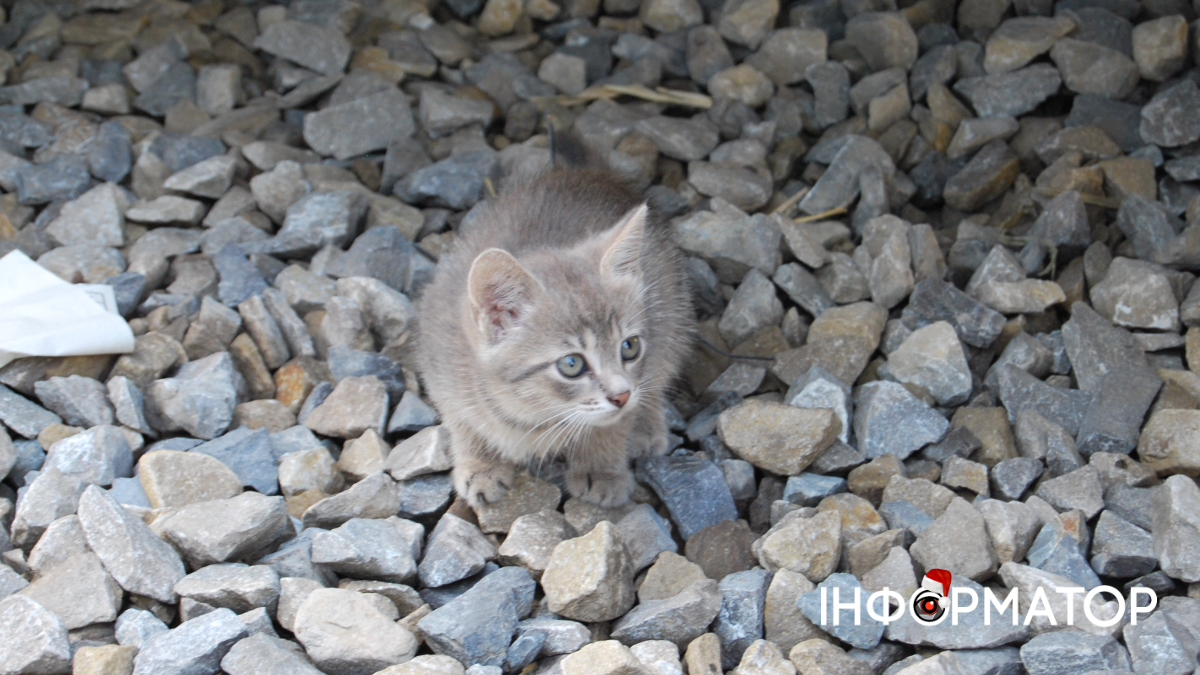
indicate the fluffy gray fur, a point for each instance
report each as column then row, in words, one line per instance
column 569, row 262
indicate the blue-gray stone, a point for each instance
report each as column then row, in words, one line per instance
column 1021, row 391
column 704, row 423
column 477, row 626
column 1011, row 478
column 109, row 157
column 24, row 416
column 437, row 597
column 424, row 495
column 346, row 362
column 740, row 621
column 841, row 623
column 646, row 534
column 524, row 650
column 30, row 457
column 507, row 80
column 1057, row 552
column 1117, row 119
column 1121, row 549
column 127, row 288
column 178, row 443
column 294, row 559
column 323, row 219
column 889, row 420
column 1094, row 345
column 239, row 278
column 316, row 397
column 934, row 300
column 23, row 131
column 292, row 439
column 64, row 90
column 972, row 631
column 380, row 253
column 808, row 489
column 1066, row 652
column 1161, row 644
column 1135, row 505
column 456, row 182
column 904, row 515
column 129, row 491
column 998, row 661
column 179, row 151
column 411, row 415
column 1114, row 422
column 195, row 646
column 248, row 453
column 173, row 86
column 693, row 489
column 64, row 177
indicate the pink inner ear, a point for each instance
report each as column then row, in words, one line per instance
column 501, row 311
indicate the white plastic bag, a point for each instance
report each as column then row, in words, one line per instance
column 42, row 315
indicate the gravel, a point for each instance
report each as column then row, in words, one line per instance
column 978, row 350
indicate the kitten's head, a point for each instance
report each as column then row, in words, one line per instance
column 560, row 334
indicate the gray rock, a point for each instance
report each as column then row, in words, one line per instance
column 265, row 655
column 355, row 405
column 562, row 637
column 78, row 590
column 63, row 177
column 840, row 623
column 323, row 219
column 239, row 278
column 752, row 308
column 456, row 182
column 679, row 619
column 199, row 399
column 1120, row 548
column 96, row 217
column 49, row 497
column 1147, row 224
column 1157, row 645
column 803, row 288
column 932, row 358
column 685, row 140
column 477, row 626
column 381, row 253
column 179, row 151
column 137, row 559
column 1165, row 120
column 412, row 414
column 1010, row 94
column 136, row 627
column 34, row 639
column 1021, row 391
column 740, row 621
column 97, row 455
column 235, row 586
column 1072, row 651
column 225, row 529
column 830, row 82
column 1010, row 478
column 1113, row 423
column 177, row 84
column 505, row 79
column 730, row 241
column 194, row 646
column 646, row 534
column 693, row 489
column 456, row 550
column 385, row 549
column 1176, row 528
column 885, row 40
column 957, row 541
column 22, row 416
column 808, row 489
column 847, row 157
column 375, row 496
column 1056, row 551
column 360, row 126
column 248, row 452
column 319, row 47
column 890, row 420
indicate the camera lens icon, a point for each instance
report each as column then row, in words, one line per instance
column 928, row 606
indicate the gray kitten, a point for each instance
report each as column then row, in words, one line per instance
column 554, row 326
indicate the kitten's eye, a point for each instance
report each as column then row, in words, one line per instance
column 572, row 365
column 630, row 348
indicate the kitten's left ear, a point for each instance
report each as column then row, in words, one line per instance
column 624, row 253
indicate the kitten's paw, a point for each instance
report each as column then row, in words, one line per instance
column 646, row 445
column 604, row 488
column 481, row 484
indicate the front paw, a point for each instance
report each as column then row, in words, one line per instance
column 481, row 484
column 604, row 488
column 647, row 445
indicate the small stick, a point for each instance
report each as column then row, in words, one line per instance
column 822, row 216
column 487, row 183
column 791, row 201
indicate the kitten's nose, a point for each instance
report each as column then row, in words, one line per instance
column 620, row 399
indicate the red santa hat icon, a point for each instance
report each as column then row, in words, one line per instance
column 937, row 581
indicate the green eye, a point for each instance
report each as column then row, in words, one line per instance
column 630, row 348
column 572, row 365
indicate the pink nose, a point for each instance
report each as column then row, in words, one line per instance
column 620, row 399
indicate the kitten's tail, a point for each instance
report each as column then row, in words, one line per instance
column 566, row 149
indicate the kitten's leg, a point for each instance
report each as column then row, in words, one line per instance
column 648, row 434
column 598, row 472
column 479, row 476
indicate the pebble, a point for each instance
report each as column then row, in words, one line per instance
column 199, row 399
column 477, row 627
column 1176, row 533
column 590, row 578
column 778, row 438
column 694, row 491
column 865, row 635
column 455, row 551
column 35, row 638
column 329, row 617
column 1165, row 120
column 532, row 538
column 224, row 529
column 678, row 619
column 266, row 655
column 78, row 590
column 358, row 126
column 320, row 48
column 137, row 559
column 375, row 496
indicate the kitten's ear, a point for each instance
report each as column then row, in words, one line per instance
column 501, row 292
column 624, row 253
